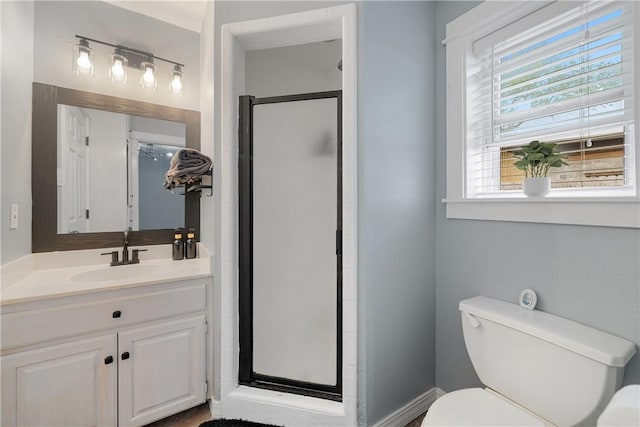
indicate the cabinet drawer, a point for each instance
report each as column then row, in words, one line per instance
column 60, row 321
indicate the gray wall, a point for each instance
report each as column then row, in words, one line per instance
column 587, row 274
column 396, row 202
column 17, row 75
column 396, row 148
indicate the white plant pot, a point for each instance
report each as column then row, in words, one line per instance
column 536, row 187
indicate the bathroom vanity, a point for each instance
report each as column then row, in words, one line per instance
column 97, row 345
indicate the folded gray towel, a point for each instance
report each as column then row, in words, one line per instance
column 187, row 166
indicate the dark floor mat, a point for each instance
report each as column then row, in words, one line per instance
column 233, row 423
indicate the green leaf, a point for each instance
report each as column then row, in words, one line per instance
column 521, row 163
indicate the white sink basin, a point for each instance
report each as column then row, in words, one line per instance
column 110, row 274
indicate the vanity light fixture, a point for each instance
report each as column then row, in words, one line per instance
column 83, row 58
column 124, row 58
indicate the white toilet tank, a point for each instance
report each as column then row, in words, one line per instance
column 560, row 370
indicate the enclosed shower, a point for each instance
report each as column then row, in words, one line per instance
column 290, row 243
column 290, row 221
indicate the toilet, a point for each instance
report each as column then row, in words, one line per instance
column 538, row 369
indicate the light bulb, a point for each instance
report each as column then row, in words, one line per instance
column 83, row 61
column 148, row 76
column 176, row 83
column 117, row 70
column 83, row 58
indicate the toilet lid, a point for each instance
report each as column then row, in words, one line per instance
column 477, row 407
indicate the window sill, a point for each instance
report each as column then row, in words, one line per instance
column 606, row 212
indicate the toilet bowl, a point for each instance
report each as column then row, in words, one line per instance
column 538, row 369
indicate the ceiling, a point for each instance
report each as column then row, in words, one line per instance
column 183, row 13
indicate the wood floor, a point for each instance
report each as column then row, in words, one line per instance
column 195, row 416
column 190, row 418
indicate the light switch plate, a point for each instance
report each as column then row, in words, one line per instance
column 14, row 217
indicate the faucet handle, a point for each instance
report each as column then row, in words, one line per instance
column 136, row 258
column 114, row 257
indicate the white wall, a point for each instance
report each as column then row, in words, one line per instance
column 207, row 220
column 17, row 76
column 57, row 22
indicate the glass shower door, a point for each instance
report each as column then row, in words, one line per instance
column 293, row 312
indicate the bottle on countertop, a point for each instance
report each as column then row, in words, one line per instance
column 192, row 244
column 178, row 245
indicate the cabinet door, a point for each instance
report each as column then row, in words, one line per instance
column 71, row 384
column 161, row 370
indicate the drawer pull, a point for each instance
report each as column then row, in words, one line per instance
column 117, row 314
column 108, row 360
column 125, row 355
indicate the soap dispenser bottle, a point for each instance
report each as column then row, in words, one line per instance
column 190, row 248
column 178, row 245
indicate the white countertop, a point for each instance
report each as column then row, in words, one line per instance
column 58, row 274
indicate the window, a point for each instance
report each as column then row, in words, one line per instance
column 559, row 72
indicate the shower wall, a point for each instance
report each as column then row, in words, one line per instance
column 295, row 69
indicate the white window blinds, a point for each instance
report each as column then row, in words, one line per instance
column 562, row 74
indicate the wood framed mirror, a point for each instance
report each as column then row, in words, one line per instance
column 44, row 168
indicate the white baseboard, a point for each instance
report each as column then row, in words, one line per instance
column 411, row 410
column 214, row 408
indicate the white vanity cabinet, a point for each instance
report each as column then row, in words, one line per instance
column 161, row 370
column 63, row 385
column 122, row 357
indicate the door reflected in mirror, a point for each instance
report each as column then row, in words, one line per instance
column 110, row 171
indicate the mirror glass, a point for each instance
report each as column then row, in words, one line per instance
column 110, row 171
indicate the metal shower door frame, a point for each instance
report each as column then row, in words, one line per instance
column 246, row 374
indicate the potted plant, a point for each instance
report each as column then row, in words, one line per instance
column 536, row 159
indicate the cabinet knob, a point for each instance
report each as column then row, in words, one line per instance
column 117, row 314
column 125, row 355
column 108, row 360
